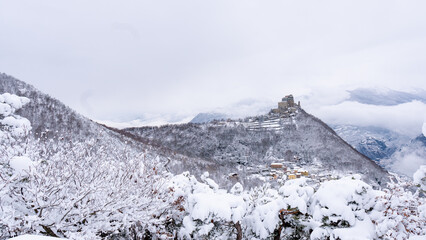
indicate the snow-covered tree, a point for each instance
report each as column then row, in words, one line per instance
column 13, row 132
column 338, row 209
column 209, row 212
column 13, row 128
column 89, row 189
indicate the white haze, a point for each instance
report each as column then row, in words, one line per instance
column 169, row 60
column 408, row 163
column 407, row 118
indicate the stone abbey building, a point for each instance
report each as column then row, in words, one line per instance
column 286, row 105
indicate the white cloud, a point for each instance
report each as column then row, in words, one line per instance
column 407, row 160
column 405, row 118
column 155, row 121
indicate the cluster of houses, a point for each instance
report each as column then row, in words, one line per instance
column 280, row 169
column 283, row 171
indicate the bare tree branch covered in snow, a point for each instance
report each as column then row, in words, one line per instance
column 76, row 189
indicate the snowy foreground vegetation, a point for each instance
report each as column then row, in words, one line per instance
column 83, row 191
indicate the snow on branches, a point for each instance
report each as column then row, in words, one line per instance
column 13, row 128
column 90, row 189
column 347, row 208
column 10, row 122
column 399, row 213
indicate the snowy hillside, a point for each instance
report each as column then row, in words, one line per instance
column 246, row 145
column 47, row 115
column 395, row 152
column 375, row 143
column 54, row 124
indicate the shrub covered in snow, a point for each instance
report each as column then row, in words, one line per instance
column 84, row 193
column 341, row 207
column 399, row 214
column 347, row 208
column 11, row 123
column 13, row 128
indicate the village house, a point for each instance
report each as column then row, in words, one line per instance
column 276, row 165
column 292, row 176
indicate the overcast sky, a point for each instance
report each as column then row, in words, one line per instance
column 120, row 60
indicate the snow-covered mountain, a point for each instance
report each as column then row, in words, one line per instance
column 208, row 117
column 386, row 147
column 374, row 142
column 393, row 151
column 256, row 141
column 48, row 116
column 385, row 97
column 56, row 127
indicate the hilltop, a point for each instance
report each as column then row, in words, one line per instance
column 286, row 134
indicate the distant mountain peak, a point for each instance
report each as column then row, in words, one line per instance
column 208, row 117
column 385, row 96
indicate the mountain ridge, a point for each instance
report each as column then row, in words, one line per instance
column 243, row 143
column 385, row 97
column 221, row 147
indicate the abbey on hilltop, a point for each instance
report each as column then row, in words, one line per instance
column 286, row 106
